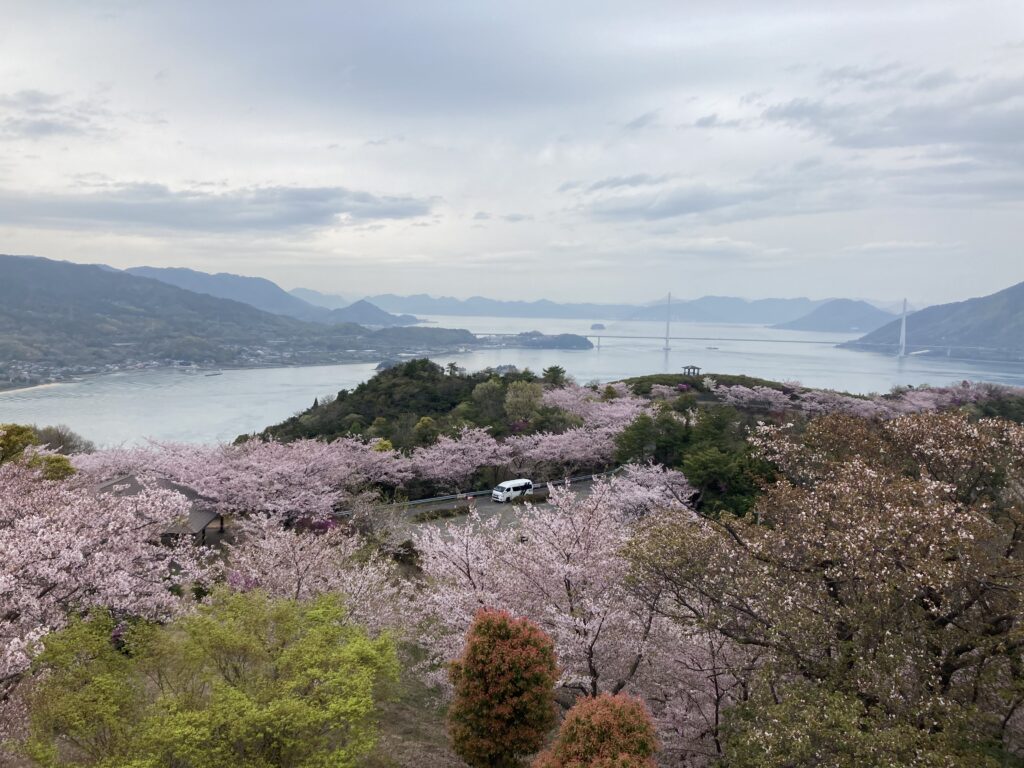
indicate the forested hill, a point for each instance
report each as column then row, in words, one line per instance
column 254, row 291
column 411, row 403
column 64, row 315
column 842, row 316
column 989, row 327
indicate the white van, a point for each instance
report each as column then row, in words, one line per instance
column 512, row 489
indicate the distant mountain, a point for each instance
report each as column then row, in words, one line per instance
column 989, row 327
column 478, row 306
column 709, row 309
column 317, row 299
column 254, row 291
column 59, row 318
column 840, row 316
column 365, row 313
column 729, row 309
column 270, row 297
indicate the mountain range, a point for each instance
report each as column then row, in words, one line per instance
column 270, row 297
column 56, row 316
column 708, row 309
column 318, row 299
column 988, row 327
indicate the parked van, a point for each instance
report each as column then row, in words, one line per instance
column 512, row 489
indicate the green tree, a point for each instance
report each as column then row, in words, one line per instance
column 554, row 376
column 14, row 439
column 91, row 697
column 663, row 438
column 247, row 680
column 489, row 397
column 426, row 431
column 504, row 691
column 727, row 481
column 806, row 725
column 523, row 400
column 638, row 441
column 16, row 444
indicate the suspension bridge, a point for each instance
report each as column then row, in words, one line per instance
column 664, row 310
column 669, row 312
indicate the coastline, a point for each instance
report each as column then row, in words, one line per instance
column 44, row 385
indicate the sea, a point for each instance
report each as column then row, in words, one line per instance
column 133, row 407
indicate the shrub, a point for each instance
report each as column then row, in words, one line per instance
column 504, row 691
column 603, row 732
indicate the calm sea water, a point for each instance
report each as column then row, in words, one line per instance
column 127, row 408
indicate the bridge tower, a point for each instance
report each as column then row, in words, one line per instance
column 903, row 332
column 668, row 321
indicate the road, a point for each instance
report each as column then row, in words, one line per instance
column 484, row 506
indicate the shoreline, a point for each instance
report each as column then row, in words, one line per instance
column 44, row 385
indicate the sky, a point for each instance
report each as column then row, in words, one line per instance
column 586, row 151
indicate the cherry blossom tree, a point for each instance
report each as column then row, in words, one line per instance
column 884, row 563
column 303, row 564
column 562, row 567
column 557, row 455
column 65, row 549
column 615, row 413
column 452, row 461
column 900, row 402
column 285, row 481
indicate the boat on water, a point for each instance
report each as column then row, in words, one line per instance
column 710, row 347
column 215, row 373
column 597, row 327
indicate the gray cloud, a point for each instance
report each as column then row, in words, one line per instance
column 714, row 121
column 617, row 182
column 33, row 114
column 643, row 121
column 665, row 202
column 974, row 118
column 154, row 206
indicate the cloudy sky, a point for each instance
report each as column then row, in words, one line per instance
column 568, row 150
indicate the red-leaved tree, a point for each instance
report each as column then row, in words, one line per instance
column 603, row 732
column 504, row 691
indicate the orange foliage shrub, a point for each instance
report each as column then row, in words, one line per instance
column 504, row 691
column 603, row 732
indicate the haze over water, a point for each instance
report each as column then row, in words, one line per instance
column 127, row 408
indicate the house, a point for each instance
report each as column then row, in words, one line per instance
column 204, row 524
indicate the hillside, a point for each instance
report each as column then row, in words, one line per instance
column 989, row 327
column 318, row 299
column 58, row 319
column 840, row 316
column 254, row 291
column 268, row 296
column 365, row 313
